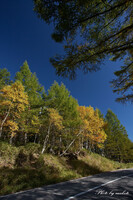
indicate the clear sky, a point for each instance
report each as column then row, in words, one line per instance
column 23, row 36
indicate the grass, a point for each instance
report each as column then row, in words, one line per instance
column 23, row 168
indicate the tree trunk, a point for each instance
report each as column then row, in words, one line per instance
column 25, row 138
column 46, row 140
column 87, row 145
column 1, row 131
column 90, row 146
column 70, row 144
column 60, row 143
column 1, row 127
column 81, row 140
column 11, row 139
column 35, row 138
column 52, row 146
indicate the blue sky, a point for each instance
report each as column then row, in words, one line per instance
column 23, row 36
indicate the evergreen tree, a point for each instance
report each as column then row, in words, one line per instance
column 100, row 113
column 31, row 84
column 4, row 77
column 35, row 96
column 116, row 145
column 92, row 31
column 59, row 98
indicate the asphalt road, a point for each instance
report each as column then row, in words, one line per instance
column 105, row 186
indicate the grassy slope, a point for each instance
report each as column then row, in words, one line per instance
column 23, row 168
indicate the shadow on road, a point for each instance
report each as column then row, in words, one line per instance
column 66, row 189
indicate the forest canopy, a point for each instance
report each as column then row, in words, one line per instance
column 55, row 120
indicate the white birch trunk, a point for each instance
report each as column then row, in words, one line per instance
column 70, row 144
column 46, row 139
column 1, row 127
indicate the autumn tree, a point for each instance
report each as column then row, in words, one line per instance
column 13, row 103
column 92, row 126
column 54, row 123
column 90, row 32
column 4, row 80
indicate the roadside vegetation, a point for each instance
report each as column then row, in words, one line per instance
column 47, row 137
column 24, row 167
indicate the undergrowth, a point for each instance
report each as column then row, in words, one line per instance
column 24, row 167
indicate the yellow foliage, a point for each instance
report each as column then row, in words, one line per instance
column 35, row 120
column 92, row 125
column 55, row 119
column 35, row 124
column 13, row 126
column 13, row 102
column 14, row 97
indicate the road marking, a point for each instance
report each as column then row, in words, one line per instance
column 81, row 193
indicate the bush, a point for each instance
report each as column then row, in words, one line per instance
column 21, row 159
column 8, row 153
column 33, row 148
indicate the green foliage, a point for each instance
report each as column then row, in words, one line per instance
column 30, row 122
column 55, row 122
column 20, row 179
column 31, row 84
column 60, row 99
column 124, row 82
column 117, row 145
column 59, row 126
column 33, row 148
column 100, row 113
column 4, row 77
column 92, row 31
column 36, row 171
column 8, row 154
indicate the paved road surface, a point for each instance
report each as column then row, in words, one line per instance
column 105, row 186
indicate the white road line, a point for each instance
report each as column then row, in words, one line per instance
column 81, row 193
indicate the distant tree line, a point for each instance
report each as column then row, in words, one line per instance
column 55, row 120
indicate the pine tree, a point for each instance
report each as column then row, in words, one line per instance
column 4, row 77
column 31, row 84
column 92, row 31
column 116, row 145
column 35, row 96
column 60, row 99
